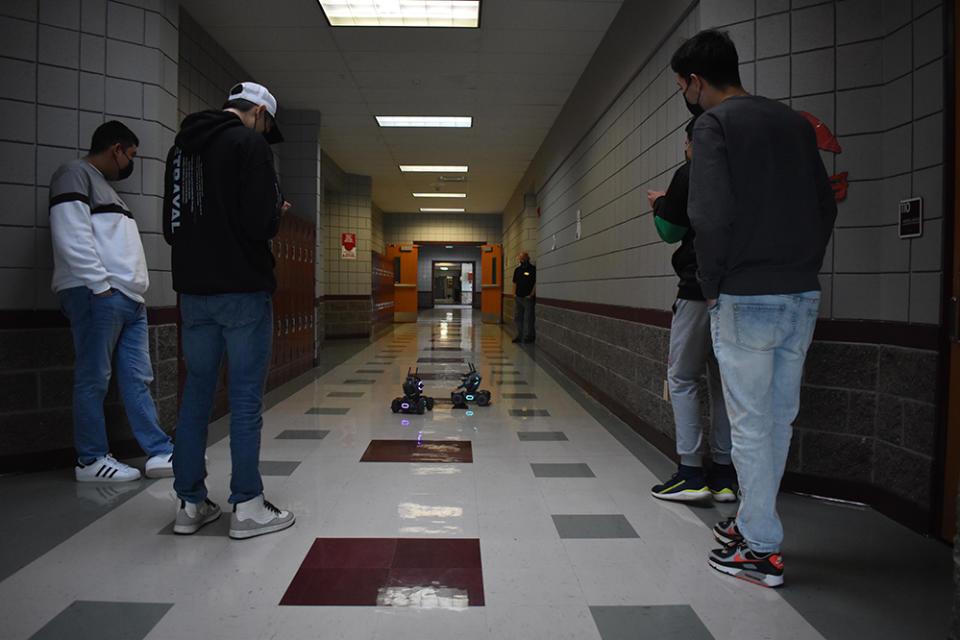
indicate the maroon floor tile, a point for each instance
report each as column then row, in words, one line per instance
column 418, row 451
column 335, row 587
column 469, row 580
column 351, row 553
column 355, row 571
column 422, row 553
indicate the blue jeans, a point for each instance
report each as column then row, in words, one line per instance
column 691, row 355
column 761, row 343
column 242, row 325
column 110, row 331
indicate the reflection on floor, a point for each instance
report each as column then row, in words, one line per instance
column 529, row 518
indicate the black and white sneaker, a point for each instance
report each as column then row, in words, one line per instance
column 257, row 517
column 105, row 469
column 726, row 532
column 737, row 560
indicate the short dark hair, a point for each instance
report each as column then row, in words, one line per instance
column 109, row 134
column 239, row 104
column 711, row 55
column 689, row 128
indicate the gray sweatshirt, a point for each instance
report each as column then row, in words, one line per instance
column 760, row 199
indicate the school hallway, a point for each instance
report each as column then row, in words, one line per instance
column 529, row 518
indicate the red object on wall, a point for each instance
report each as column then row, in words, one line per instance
column 825, row 138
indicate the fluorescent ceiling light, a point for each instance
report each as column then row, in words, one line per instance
column 439, row 195
column 402, row 13
column 434, row 168
column 441, row 210
column 425, row 121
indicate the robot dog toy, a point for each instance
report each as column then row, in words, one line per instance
column 468, row 390
column 412, row 400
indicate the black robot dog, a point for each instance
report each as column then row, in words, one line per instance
column 412, row 401
column 469, row 390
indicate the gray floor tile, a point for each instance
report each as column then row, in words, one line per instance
column 519, row 396
column 369, row 371
column 346, row 394
column 502, row 372
column 92, row 620
column 529, row 413
column 359, row 381
column 303, row 434
column 661, row 622
column 538, row 436
column 278, row 467
column 561, row 470
column 506, row 383
column 327, row 411
column 594, row 526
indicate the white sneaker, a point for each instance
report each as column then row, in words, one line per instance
column 257, row 517
column 159, row 466
column 190, row 516
column 105, row 469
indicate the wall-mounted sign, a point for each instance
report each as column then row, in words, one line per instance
column 828, row 142
column 911, row 218
column 348, row 246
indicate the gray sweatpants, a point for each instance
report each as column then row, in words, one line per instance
column 690, row 353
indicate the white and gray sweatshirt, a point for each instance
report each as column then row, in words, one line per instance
column 96, row 242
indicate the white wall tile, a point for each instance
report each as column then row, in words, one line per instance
column 57, row 86
column 871, row 297
column 62, row 13
column 57, row 126
column 125, row 22
column 17, row 121
column 926, row 252
column 58, row 46
column 18, row 38
column 859, row 65
column 858, row 20
column 928, row 141
column 812, row 28
column 812, row 72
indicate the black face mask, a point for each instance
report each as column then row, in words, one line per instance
column 125, row 172
column 693, row 107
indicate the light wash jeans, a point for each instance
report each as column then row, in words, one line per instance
column 242, row 325
column 691, row 355
column 110, row 330
column 761, row 343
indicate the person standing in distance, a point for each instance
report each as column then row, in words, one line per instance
column 222, row 204
column 100, row 276
column 763, row 211
column 690, row 355
column 524, row 298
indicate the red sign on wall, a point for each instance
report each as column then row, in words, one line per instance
column 348, row 246
column 828, row 142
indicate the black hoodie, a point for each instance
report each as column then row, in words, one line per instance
column 221, row 205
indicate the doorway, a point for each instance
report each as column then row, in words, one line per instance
column 452, row 282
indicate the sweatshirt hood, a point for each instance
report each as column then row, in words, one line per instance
column 198, row 129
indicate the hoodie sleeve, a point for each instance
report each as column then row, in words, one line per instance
column 712, row 203
column 260, row 197
column 71, row 229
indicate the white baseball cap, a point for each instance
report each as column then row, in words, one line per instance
column 258, row 94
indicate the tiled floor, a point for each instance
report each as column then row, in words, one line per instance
column 530, row 519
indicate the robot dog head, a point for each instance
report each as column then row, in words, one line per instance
column 413, row 385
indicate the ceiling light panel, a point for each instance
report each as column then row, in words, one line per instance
column 433, row 168
column 440, row 210
column 425, row 121
column 402, row 13
column 439, row 195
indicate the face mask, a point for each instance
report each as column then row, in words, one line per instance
column 126, row 171
column 693, row 107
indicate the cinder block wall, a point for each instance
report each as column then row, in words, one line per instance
column 873, row 72
column 67, row 66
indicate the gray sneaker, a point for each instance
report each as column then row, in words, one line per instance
column 257, row 517
column 190, row 516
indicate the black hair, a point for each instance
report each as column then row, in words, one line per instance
column 239, row 104
column 689, row 128
column 109, row 134
column 711, row 55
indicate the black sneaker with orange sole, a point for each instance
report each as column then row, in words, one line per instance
column 737, row 560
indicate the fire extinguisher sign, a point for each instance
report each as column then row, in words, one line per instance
column 348, row 246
